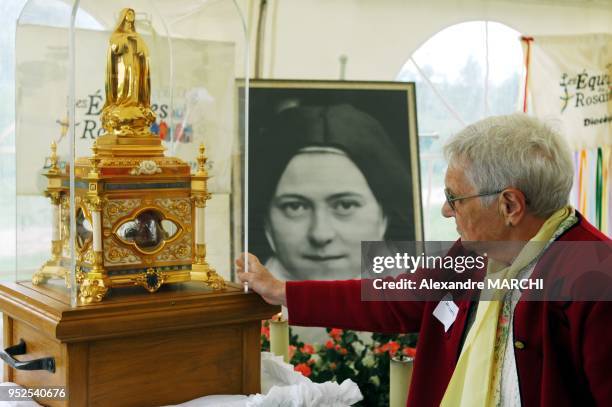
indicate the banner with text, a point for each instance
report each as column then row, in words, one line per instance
column 569, row 80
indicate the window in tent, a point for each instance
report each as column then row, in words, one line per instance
column 464, row 73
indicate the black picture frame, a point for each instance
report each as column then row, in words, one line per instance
column 391, row 104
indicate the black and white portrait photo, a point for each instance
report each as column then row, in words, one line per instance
column 332, row 164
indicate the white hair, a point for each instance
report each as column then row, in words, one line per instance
column 515, row 151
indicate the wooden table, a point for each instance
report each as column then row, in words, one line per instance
column 136, row 348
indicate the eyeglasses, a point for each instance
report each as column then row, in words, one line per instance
column 451, row 199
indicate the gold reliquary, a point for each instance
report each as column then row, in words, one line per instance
column 139, row 215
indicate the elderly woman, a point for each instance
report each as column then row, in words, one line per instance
column 508, row 180
column 325, row 179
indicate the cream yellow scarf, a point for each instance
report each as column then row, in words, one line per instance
column 473, row 377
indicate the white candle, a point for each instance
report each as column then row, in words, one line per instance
column 199, row 235
column 97, row 231
column 400, row 375
column 279, row 337
column 55, row 232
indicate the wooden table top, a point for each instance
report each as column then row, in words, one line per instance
column 130, row 310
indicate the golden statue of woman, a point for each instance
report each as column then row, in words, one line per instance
column 127, row 110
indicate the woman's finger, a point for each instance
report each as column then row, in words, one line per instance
column 242, row 276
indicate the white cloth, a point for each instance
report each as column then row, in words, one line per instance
column 284, row 387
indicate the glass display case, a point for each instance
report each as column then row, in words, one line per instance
column 130, row 145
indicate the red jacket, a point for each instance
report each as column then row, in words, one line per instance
column 564, row 358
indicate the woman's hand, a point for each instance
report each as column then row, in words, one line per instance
column 261, row 280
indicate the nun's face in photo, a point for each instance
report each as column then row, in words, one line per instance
column 321, row 211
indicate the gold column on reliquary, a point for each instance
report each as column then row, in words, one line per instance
column 139, row 214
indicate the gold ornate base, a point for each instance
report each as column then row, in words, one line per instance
column 208, row 275
column 94, row 285
column 53, row 268
column 135, row 146
column 92, row 291
column 127, row 120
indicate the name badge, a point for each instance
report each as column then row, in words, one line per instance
column 446, row 311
